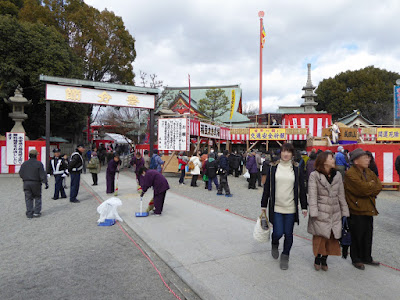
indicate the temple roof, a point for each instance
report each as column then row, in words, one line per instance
column 198, row 93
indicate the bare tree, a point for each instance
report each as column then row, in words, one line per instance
column 250, row 109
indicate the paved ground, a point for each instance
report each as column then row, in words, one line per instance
column 214, row 252
column 65, row 255
column 246, row 202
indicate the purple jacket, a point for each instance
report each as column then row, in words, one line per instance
column 112, row 166
column 251, row 164
column 138, row 162
column 154, row 179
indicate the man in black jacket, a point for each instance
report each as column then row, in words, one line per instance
column 75, row 167
column 58, row 168
column 33, row 175
column 223, row 170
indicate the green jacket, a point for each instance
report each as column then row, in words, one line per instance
column 94, row 165
column 361, row 190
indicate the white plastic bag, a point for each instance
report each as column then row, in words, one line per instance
column 108, row 210
column 261, row 234
column 246, row 175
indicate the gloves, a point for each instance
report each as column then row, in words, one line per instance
column 46, row 186
column 140, row 190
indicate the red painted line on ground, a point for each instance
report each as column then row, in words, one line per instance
column 137, row 246
column 239, row 215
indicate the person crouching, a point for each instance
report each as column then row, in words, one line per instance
column 153, row 178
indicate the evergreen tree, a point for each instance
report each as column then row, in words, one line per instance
column 215, row 105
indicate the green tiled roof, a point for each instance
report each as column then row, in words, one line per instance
column 351, row 117
column 198, row 93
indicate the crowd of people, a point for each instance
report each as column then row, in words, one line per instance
column 328, row 187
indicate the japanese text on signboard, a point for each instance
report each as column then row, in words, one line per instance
column 388, row 134
column 15, row 146
column 173, row 134
column 397, row 102
column 208, row 130
column 267, row 134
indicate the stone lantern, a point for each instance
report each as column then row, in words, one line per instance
column 17, row 115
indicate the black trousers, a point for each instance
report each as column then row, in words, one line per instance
column 194, row 180
column 259, row 178
column 361, row 228
column 33, row 197
column 223, row 184
column 94, row 177
column 252, row 181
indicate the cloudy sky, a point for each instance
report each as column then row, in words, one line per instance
column 217, row 42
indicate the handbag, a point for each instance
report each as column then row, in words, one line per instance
column 262, row 229
column 205, row 178
column 346, row 235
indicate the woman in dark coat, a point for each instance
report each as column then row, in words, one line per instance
column 283, row 188
column 138, row 161
column 112, row 168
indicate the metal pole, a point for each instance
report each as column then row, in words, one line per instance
column 47, row 132
column 394, row 105
column 260, row 105
column 151, row 131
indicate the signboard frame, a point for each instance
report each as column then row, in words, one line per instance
column 267, row 134
column 11, row 148
column 163, row 129
column 75, row 94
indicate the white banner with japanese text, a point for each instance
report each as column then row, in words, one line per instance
column 98, row 97
column 173, row 134
column 15, row 148
column 208, row 130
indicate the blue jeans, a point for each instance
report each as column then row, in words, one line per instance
column 283, row 225
column 210, row 181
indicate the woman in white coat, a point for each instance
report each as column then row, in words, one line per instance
column 327, row 205
column 195, row 159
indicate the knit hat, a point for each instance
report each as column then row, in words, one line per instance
column 340, row 148
column 357, row 153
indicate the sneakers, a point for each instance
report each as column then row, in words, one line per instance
column 228, row 195
column 275, row 251
column 37, row 215
column 219, row 194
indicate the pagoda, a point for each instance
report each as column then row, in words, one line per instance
column 309, row 95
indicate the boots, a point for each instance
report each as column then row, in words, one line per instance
column 324, row 265
column 274, row 251
column 317, row 262
column 284, row 262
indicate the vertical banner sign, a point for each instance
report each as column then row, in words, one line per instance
column 397, row 102
column 173, row 134
column 232, row 103
column 15, row 145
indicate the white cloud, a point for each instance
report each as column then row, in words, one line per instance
column 217, row 42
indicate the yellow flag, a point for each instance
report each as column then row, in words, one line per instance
column 232, row 104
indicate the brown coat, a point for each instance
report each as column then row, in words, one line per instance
column 361, row 191
column 327, row 205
